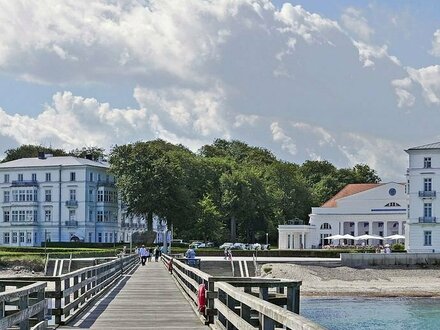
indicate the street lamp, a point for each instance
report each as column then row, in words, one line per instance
column 267, row 238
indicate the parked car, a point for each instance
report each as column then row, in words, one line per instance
column 196, row 244
column 226, row 245
column 238, row 246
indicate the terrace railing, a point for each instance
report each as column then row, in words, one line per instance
column 22, row 305
column 70, row 293
column 242, row 302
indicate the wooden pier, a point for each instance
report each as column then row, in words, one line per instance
column 148, row 298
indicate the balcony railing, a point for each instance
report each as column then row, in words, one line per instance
column 24, row 183
column 72, row 203
column 24, row 223
column 72, row 223
column 427, row 220
column 105, row 184
column 427, row 194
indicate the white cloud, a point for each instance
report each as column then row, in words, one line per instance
column 72, row 121
column 436, row 44
column 353, row 21
column 209, row 69
column 279, row 135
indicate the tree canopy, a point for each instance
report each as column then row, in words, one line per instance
column 227, row 190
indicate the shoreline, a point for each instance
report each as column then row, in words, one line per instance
column 320, row 281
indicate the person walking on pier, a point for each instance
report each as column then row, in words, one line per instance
column 157, row 253
column 143, row 252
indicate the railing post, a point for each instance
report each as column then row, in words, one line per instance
column 210, row 312
column 58, row 298
column 293, row 299
column 22, row 305
column 40, row 297
column 245, row 312
column 66, row 298
column 83, row 278
column 230, row 302
column 76, row 292
column 267, row 323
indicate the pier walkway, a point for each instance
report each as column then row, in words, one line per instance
column 147, row 298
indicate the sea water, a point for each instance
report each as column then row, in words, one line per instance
column 373, row 313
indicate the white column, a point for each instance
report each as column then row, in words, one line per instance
column 400, row 229
column 356, row 230
column 385, row 228
column 370, row 227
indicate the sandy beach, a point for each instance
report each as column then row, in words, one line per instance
column 346, row 281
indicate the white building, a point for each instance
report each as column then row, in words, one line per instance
column 423, row 180
column 57, row 199
column 358, row 209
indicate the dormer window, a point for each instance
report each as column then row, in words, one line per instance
column 392, row 204
column 427, row 162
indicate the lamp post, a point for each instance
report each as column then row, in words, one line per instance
column 267, row 238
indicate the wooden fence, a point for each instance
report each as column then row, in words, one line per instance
column 22, row 304
column 245, row 302
column 70, row 293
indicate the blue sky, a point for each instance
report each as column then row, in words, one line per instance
column 347, row 81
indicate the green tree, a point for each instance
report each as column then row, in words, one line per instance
column 30, row 151
column 94, row 153
column 151, row 180
column 208, row 222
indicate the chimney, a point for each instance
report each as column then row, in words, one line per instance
column 89, row 156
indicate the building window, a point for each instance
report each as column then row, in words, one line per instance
column 6, row 196
column 99, row 237
column 100, row 196
column 90, row 215
column 6, row 216
column 90, row 237
column 72, row 194
column 48, row 195
column 47, row 215
column 72, row 176
column 72, row 215
column 408, row 211
column 427, row 210
column 99, row 216
column 14, row 237
column 427, row 184
column 48, row 177
column 47, row 236
column 20, row 177
column 105, row 237
column 324, row 241
column 6, row 179
column 28, row 237
column 34, row 176
column 326, row 225
column 6, row 238
column 91, row 177
column 427, row 162
column 21, row 237
column 427, row 235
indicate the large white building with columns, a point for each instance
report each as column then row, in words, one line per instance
column 358, row 209
column 423, row 181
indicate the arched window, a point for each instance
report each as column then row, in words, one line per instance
column 326, row 225
column 391, row 204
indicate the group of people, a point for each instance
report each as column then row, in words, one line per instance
column 148, row 253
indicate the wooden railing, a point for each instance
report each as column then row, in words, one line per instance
column 22, row 304
column 72, row 292
column 243, row 302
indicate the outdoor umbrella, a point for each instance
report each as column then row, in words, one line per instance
column 334, row 237
column 347, row 236
column 367, row 236
column 395, row 237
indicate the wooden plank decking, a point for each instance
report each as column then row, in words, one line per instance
column 147, row 299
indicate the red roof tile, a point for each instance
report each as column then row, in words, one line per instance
column 348, row 190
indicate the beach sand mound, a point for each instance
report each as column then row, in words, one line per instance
column 346, row 281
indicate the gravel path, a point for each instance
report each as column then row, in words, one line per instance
column 346, row 281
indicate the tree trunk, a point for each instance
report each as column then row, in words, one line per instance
column 233, row 229
column 150, row 221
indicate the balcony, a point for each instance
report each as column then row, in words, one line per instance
column 72, row 223
column 427, row 220
column 24, row 183
column 23, row 223
column 105, row 184
column 72, row 204
column 427, row 194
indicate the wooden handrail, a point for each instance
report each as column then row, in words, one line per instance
column 29, row 305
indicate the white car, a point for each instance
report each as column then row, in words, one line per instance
column 226, row 245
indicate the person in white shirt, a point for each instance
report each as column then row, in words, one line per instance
column 143, row 253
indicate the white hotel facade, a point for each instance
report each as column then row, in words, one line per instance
column 60, row 199
column 411, row 209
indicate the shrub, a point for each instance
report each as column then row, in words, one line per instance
column 398, row 247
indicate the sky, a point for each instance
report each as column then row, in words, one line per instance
column 345, row 81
